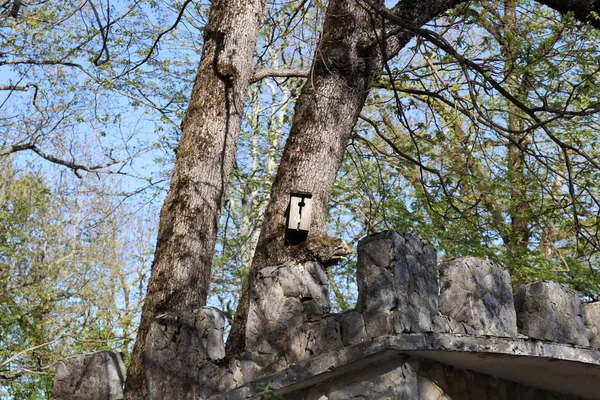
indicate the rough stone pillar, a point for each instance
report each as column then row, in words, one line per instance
column 591, row 315
column 283, row 298
column 476, row 296
column 397, row 284
column 96, row 376
column 549, row 311
column 176, row 343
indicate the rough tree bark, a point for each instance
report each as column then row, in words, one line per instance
column 189, row 217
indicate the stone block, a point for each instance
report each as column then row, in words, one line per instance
column 549, row 311
column 98, row 375
column 397, row 284
column 476, row 296
column 176, row 343
column 316, row 337
column 283, row 298
column 218, row 376
column 352, row 327
column 591, row 315
column 221, row 376
column 444, row 324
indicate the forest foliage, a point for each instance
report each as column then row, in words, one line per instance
column 481, row 136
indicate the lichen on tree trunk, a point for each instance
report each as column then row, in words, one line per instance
column 205, row 155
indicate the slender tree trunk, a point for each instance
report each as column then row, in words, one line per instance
column 518, row 210
column 189, row 217
column 347, row 60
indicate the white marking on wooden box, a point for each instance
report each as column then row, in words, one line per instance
column 300, row 211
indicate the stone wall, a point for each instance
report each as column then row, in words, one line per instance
column 419, row 331
column 90, row 376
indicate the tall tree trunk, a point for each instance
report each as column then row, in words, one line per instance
column 190, row 214
column 518, row 210
column 346, row 61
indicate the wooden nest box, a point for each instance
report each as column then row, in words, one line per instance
column 300, row 212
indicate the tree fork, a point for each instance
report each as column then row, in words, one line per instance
column 189, row 217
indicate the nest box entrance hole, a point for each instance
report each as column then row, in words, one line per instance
column 298, row 218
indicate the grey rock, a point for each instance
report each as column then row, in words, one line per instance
column 476, row 296
column 283, row 298
column 591, row 313
column 221, row 376
column 323, row 335
column 218, row 377
column 397, row 284
column 97, row 376
column 210, row 324
column 549, row 311
column 352, row 327
column 443, row 323
column 176, row 343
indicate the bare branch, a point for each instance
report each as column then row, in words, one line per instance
column 75, row 167
column 30, row 349
column 15, row 87
column 103, row 32
column 278, row 73
column 41, row 62
column 155, row 44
